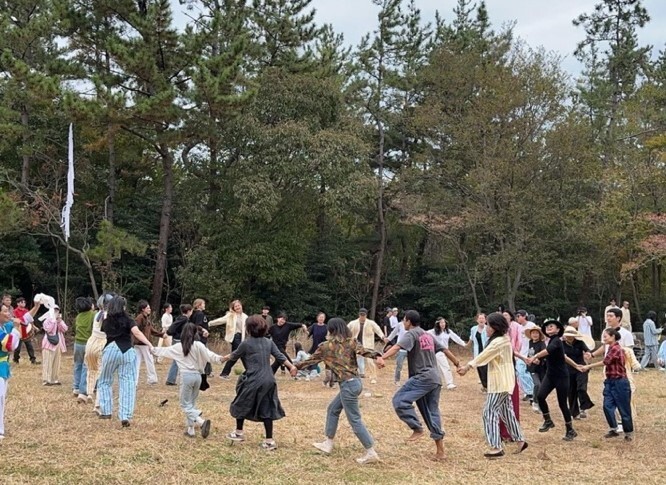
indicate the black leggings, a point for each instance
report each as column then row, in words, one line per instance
column 276, row 365
column 268, row 426
column 561, row 386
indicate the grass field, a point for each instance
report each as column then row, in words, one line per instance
column 52, row 439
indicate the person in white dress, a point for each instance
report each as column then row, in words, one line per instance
column 444, row 335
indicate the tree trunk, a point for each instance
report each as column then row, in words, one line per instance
column 25, row 168
column 111, row 142
column 165, row 222
column 381, row 224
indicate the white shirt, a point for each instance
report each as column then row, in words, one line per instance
column 399, row 330
column 525, row 342
column 167, row 320
column 585, row 325
column 195, row 361
column 444, row 337
column 394, row 321
column 626, row 338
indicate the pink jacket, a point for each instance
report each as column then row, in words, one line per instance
column 515, row 335
column 50, row 327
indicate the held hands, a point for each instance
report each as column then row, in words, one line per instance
column 463, row 370
column 583, row 368
column 380, row 363
column 587, row 356
column 293, row 371
column 204, row 333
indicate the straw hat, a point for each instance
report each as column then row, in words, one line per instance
column 572, row 332
column 528, row 332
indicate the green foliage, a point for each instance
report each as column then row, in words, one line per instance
column 254, row 154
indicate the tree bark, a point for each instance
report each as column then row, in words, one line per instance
column 25, row 168
column 165, row 224
column 381, row 224
column 111, row 143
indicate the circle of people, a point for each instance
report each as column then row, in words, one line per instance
column 511, row 353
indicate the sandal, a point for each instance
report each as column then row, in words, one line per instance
column 496, row 454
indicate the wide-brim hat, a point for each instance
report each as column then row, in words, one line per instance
column 528, row 332
column 586, row 339
column 552, row 321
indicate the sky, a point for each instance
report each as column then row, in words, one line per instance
column 545, row 23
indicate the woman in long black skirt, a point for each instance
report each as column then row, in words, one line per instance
column 256, row 389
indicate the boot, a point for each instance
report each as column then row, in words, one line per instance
column 547, row 423
column 571, row 433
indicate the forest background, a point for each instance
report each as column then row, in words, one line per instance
column 441, row 164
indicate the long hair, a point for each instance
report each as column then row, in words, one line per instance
column 187, row 336
column 438, row 326
column 116, row 307
column 338, row 327
column 498, row 323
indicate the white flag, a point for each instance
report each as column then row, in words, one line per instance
column 64, row 220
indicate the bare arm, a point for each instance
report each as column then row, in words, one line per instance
column 138, row 334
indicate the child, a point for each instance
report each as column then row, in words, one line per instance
column 191, row 356
column 256, row 391
column 537, row 371
column 55, row 328
column 302, row 355
column 9, row 340
column 617, row 393
column 339, row 354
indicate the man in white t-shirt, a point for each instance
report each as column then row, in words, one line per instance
column 394, row 318
column 584, row 322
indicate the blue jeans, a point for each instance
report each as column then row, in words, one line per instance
column 114, row 361
column 347, row 399
column 173, row 370
column 426, row 396
column 617, row 395
column 80, row 369
column 524, row 378
column 399, row 360
column 189, row 391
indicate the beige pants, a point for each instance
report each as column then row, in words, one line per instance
column 3, row 396
column 93, row 360
column 50, row 365
column 163, row 342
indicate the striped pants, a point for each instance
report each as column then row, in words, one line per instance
column 498, row 405
column 50, row 365
column 114, row 361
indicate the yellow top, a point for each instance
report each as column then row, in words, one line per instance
column 498, row 355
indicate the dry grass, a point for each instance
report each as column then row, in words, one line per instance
column 52, row 439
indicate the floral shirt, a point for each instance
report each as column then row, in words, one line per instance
column 339, row 355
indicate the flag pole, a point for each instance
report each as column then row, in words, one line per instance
column 68, row 207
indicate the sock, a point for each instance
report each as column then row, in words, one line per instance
column 190, row 430
column 200, row 420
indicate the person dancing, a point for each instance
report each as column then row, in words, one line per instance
column 557, row 378
column 498, row 356
column 339, row 354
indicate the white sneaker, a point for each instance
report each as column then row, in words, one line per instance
column 619, row 428
column 326, row 446
column 373, row 381
column 307, row 378
column 451, row 387
column 370, row 456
